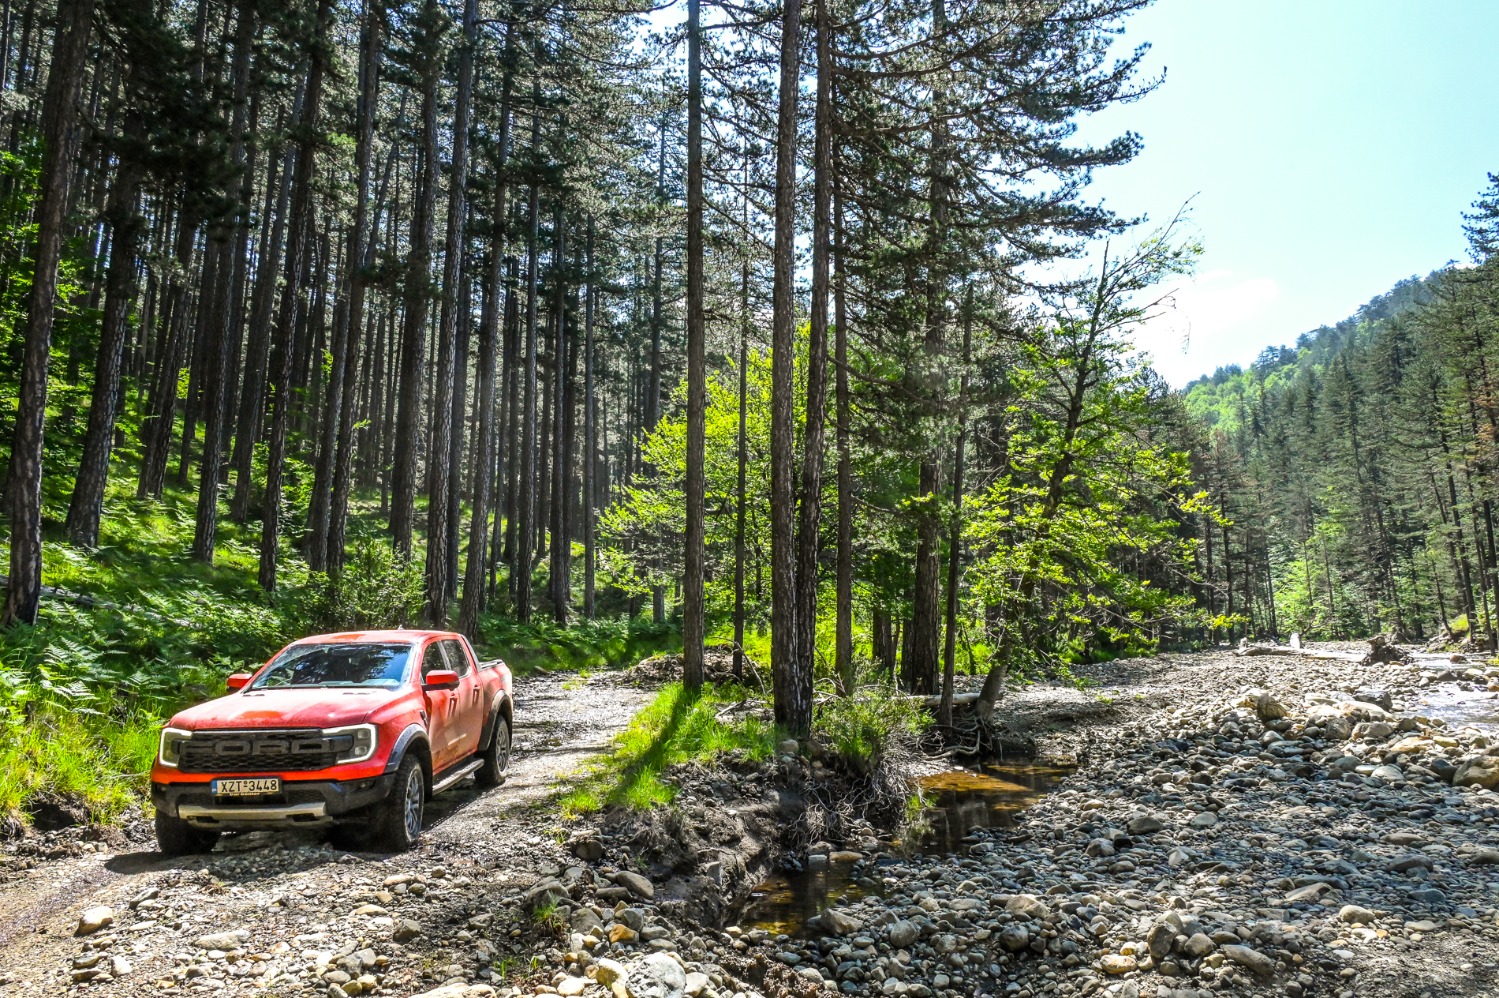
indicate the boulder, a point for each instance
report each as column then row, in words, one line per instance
column 1478, row 771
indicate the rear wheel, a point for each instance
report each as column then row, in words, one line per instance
column 397, row 822
column 497, row 756
column 176, row 837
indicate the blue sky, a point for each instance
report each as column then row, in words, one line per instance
column 1331, row 146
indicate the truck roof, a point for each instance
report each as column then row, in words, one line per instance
column 400, row 635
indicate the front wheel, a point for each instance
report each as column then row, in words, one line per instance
column 398, row 821
column 496, row 757
column 176, row 837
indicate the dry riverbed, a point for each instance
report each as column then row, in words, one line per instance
column 1232, row 826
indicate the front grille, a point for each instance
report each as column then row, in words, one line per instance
column 260, row 751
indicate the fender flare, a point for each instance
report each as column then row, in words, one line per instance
column 414, row 733
column 496, row 707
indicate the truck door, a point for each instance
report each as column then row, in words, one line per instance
column 443, row 709
column 469, row 709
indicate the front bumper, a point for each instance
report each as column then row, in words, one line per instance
column 301, row 803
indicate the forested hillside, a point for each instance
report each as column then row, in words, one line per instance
column 1357, row 469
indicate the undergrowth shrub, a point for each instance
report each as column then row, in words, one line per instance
column 860, row 730
column 376, row 589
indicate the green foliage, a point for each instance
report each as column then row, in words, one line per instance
column 858, row 729
column 676, row 727
column 375, row 590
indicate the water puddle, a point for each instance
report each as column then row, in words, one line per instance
column 958, row 802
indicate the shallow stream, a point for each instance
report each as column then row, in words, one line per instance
column 959, row 801
column 991, row 796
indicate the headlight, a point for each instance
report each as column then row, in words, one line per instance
column 355, row 743
column 171, row 745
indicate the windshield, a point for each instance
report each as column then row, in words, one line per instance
column 382, row 665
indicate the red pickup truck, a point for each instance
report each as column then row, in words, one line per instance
column 353, row 731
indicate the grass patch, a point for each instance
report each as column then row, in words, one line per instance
column 676, row 727
column 88, row 759
column 586, row 646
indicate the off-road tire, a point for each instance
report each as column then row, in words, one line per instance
column 396, row 823
column 176, row 837
column 496, row 757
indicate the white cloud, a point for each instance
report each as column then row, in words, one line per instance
column 1206, row 322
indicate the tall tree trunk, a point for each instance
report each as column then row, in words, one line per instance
column 925, row 622
column 590, row 430
column 225, row 314
column 439, row 525
column 791, row 675
column 69, row 59
column 742, row 439
column 694, row 624
column 843, row 641
column 560, row 572
column 810, row 506
column 360, row 258
column 955, row 532
column 520, row 568
column 291, row 313
column 126, row 222
column 418, row 303
column 251, row 416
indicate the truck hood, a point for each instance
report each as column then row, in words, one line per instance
column 329, row 707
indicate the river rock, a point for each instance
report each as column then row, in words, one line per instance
column 1114, row 963
column 1353, row 913
column 1479, row 771
column 637, row 885
column 93, row 919
column 1145, row 824
column 1198, row 945
column 1027, row 906
column 835, row 923
column 1159, row 940
column 903, row 933
column 1252, row 959
column 611, row 974
column 1014, row 938
column 222, row 940
column 657, row 976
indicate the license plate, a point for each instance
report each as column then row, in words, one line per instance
column 247, row 788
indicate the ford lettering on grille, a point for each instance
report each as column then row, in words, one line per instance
column 247, row 751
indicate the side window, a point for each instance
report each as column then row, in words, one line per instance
column 433, row 659
column 457, row 658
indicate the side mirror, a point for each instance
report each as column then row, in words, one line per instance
column 440, row 679
column 238, row 681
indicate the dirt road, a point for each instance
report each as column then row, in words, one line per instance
column 286, row 914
